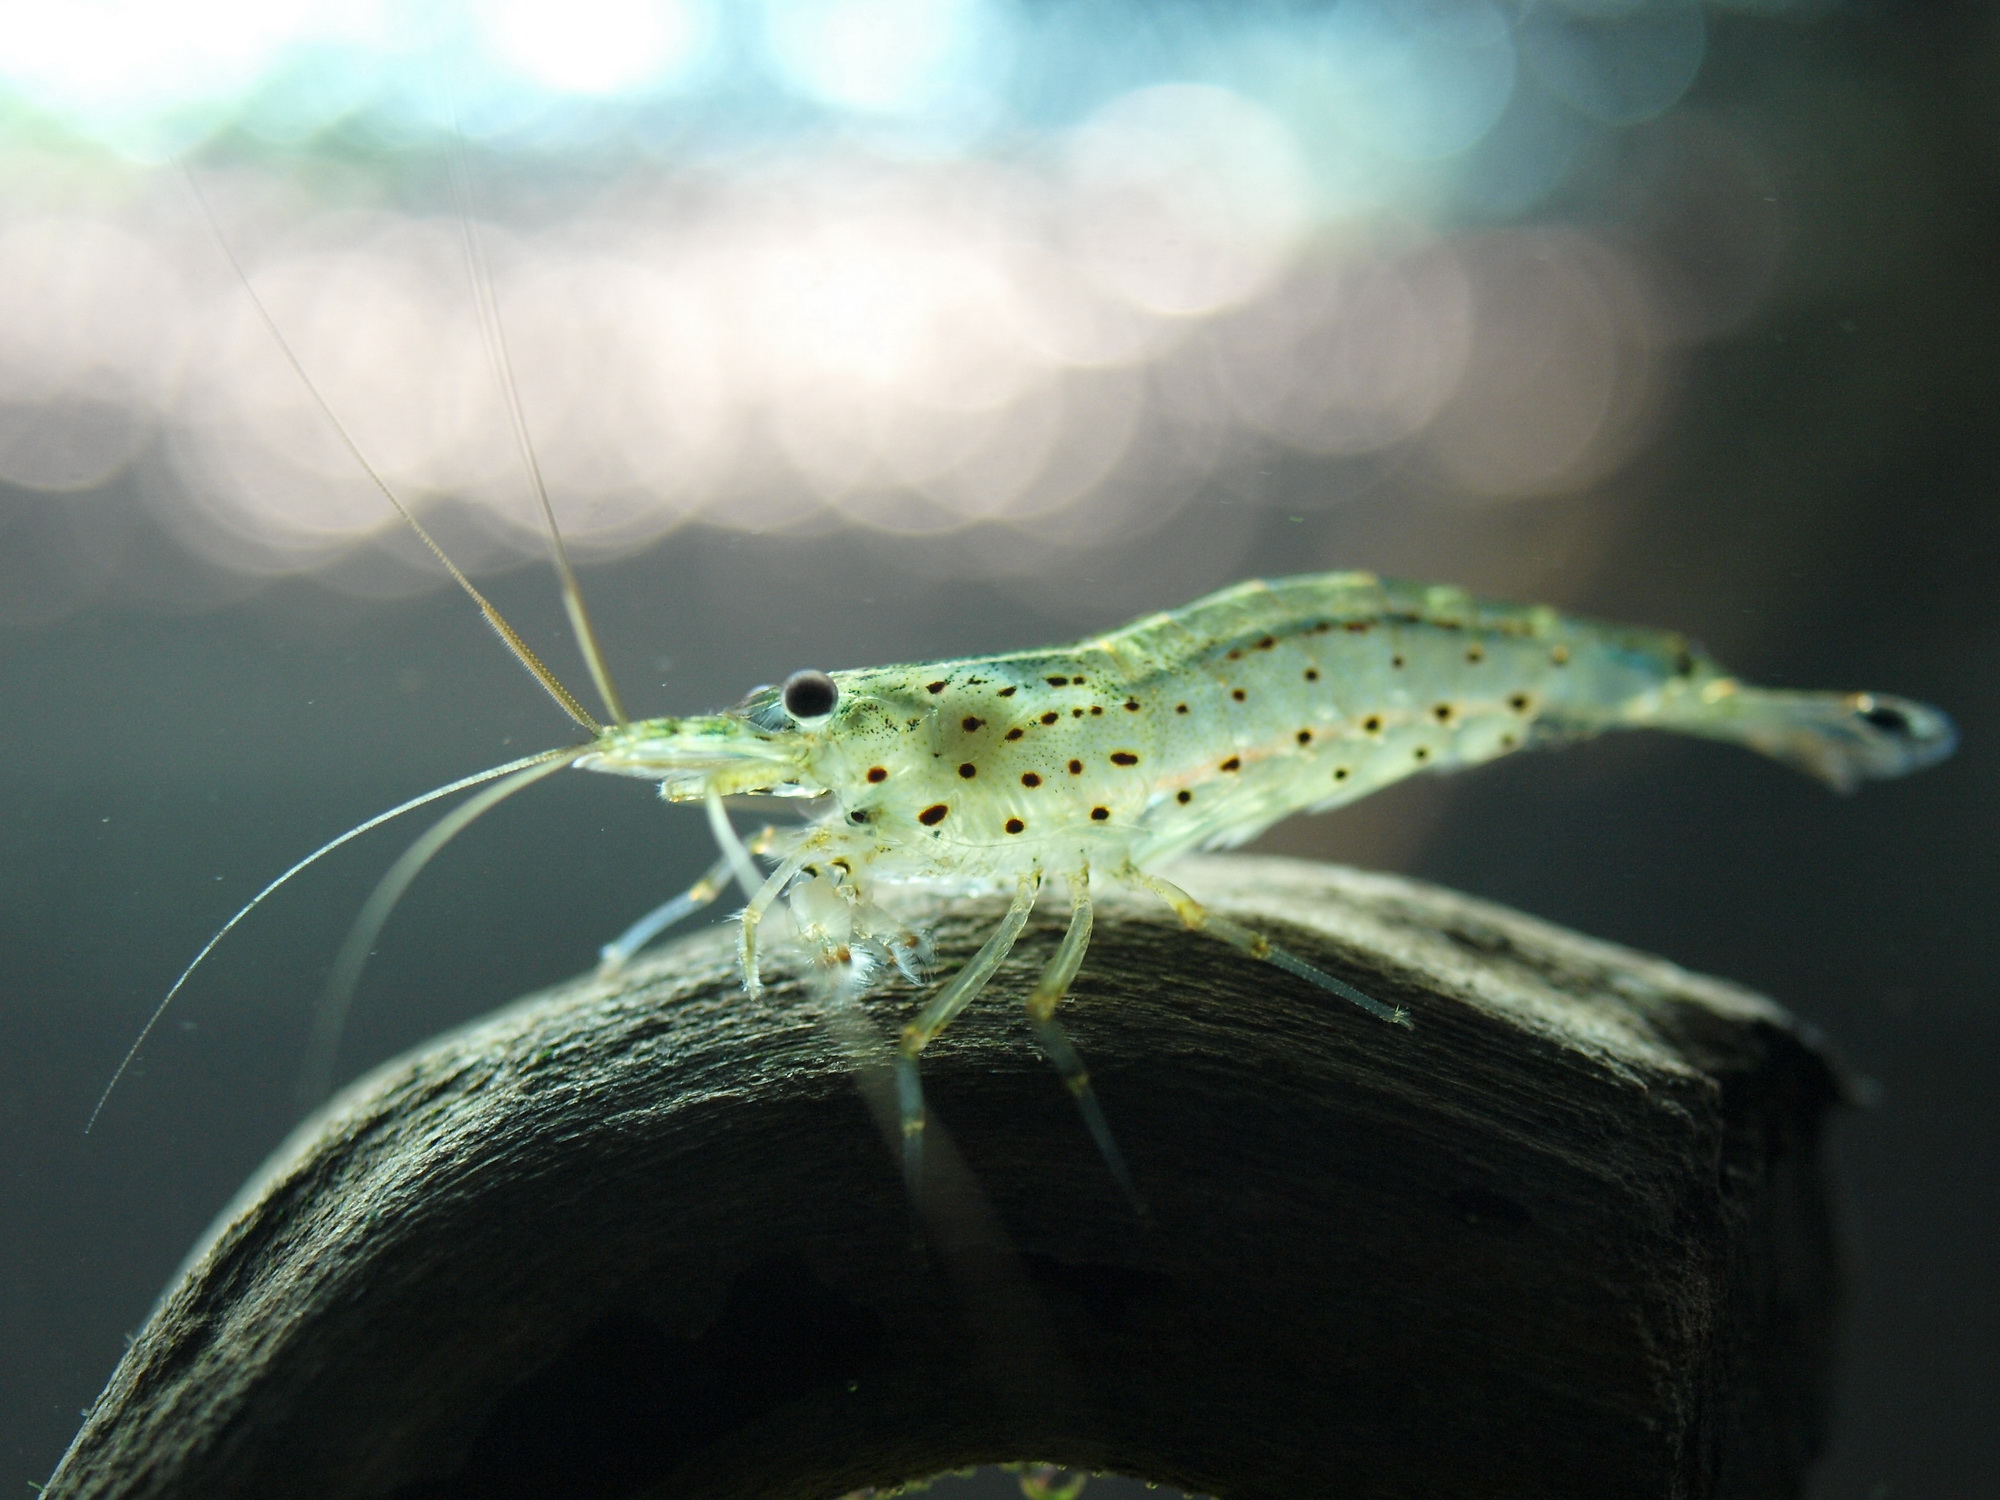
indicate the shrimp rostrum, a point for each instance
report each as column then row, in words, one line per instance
column 1197, row 728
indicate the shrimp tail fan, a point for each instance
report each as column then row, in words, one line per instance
column 1842, row 739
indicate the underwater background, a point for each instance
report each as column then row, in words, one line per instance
column 1671, row 314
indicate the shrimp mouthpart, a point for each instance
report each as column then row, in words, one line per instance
column 711, row 755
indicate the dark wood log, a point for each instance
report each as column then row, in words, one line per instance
column 1567, row 1237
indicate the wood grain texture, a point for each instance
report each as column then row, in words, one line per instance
column 1568, row 1237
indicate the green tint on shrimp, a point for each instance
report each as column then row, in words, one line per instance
column 1198, row 728
column 1099, row 761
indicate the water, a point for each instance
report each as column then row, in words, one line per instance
column 1809, row 493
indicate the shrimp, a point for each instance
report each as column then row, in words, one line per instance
column 1198, row 728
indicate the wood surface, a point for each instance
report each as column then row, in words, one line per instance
column 1566, row 1237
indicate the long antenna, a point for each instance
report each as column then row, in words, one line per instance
column 549, row 758
column 565, row 699
column 494, row 330
column 330, row 1016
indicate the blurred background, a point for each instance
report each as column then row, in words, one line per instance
column 853, row 331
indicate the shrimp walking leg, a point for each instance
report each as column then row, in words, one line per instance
column 753, row 914
column 614, row 955
column 1056, row 979
column 617, row 953
column 1198, row 918
column 732, row 848
column 959, row 992
column 1042, row 1001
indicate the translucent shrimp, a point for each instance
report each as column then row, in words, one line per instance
column 1197, row 728
column 1100, row 761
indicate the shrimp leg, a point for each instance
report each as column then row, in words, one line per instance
column 614, row 955
column 753, row 914
column 1198, row 918
column 958, row 992
column 1042, row 1001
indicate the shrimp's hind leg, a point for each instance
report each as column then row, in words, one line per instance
column 1198, row 918
column 958, row 992
column 1042, row 1001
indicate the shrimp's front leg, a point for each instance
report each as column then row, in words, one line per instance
column 753, row 914
column 614, row 955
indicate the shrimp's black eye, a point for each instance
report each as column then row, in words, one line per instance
column 1884, row 717
column 809, row 695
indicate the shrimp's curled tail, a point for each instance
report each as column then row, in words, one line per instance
column 1842, row 739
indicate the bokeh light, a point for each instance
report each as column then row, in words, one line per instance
column 1418, row 80
column 599, row 46
column 887, row 56
column 915, row 267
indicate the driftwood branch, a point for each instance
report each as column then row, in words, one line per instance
column 1568, row 1237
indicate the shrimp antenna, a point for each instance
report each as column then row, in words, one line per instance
column 494, row 331
column 330, row 1016
column 523, row 653
column 548, row 758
